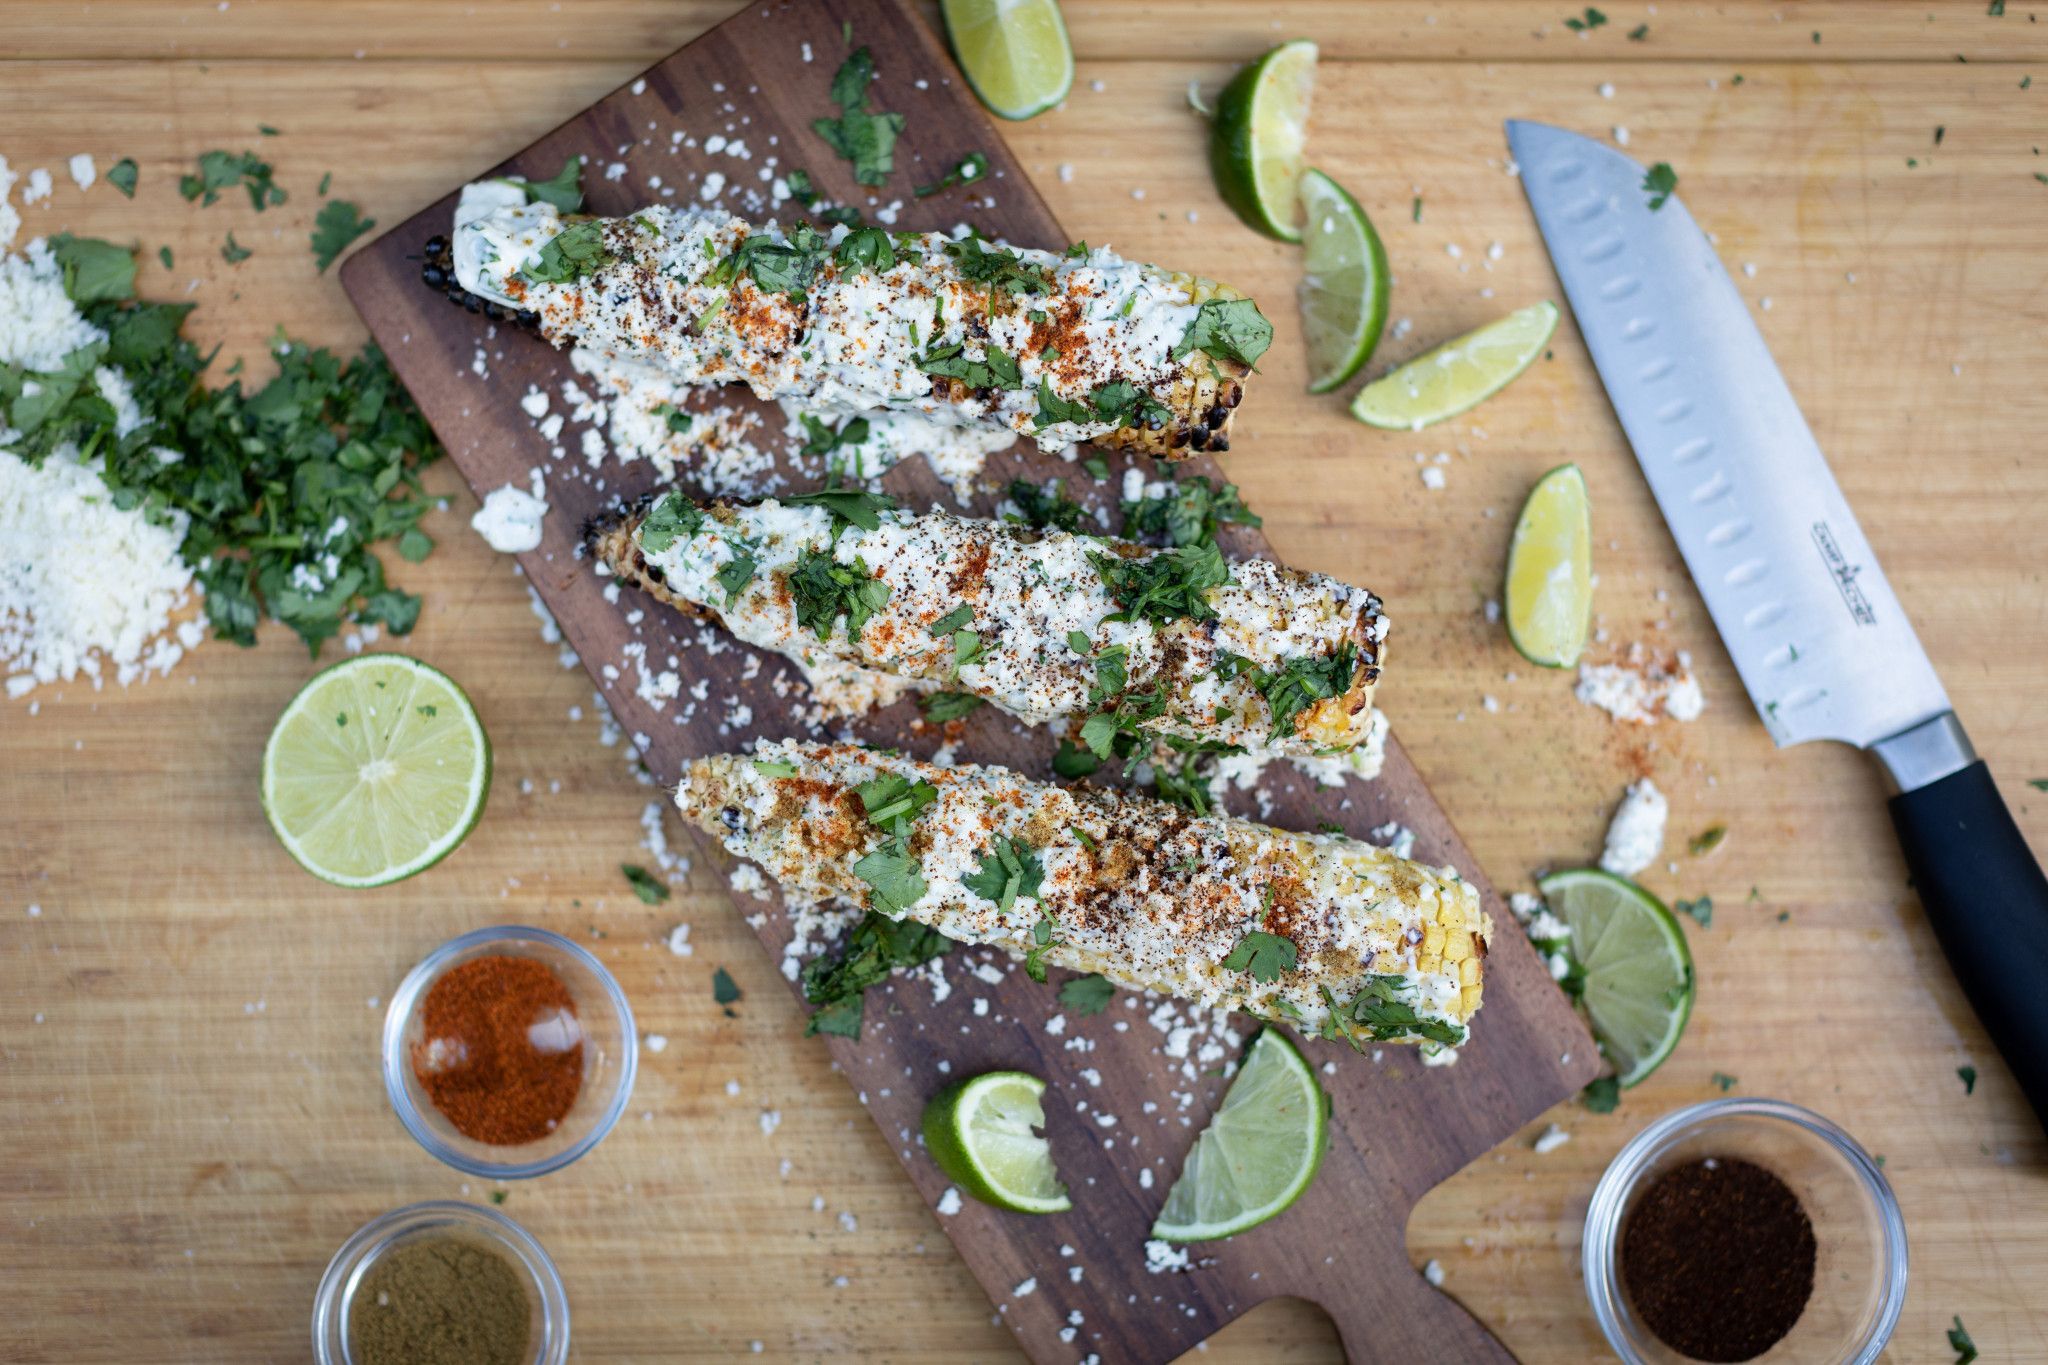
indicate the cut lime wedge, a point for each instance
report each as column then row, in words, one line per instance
column 1015, row 53
column 1550, row 571
column 1344, row 284
column 1639, row 979
column 376, row 770
column 1256, row 141
column 983, row 1134
column 1458, row 375
column 1259, row 1152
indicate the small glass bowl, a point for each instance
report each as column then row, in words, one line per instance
column 446, row 1217
column 1859, row 1276
column 611, row 1053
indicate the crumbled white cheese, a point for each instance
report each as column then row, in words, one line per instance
column 949, row 1202
column 83, row 172
column 1433, row 1271
column 1636, row 836
column 1164, row 1256
column 510, row 519
column 1550, row 1139
column 1640, row 689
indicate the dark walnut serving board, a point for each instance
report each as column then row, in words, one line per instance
column 1399, row 1128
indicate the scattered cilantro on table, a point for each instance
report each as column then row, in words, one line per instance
column 1593, row 19
column 287, row 487
column 970, row 168
column 1660, row 182
column 339, row 223
column 1968, row 1076
column 233, row 252
column 1047, row 506
column 1701, row 910
column 221, row 171
column 122, row 175
column 725, row 992
column 1725, row 1081
column 1601, row 1094
column 648, row 887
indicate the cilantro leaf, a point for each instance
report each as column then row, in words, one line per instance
column 1047, row 507
column 874, row 948
column 1701, row 910
column 1725, row 1081
column 1009, row 871
column 571, row 254
column 1001, row 269
column 1187, row 512
column 564, row 191
column 219, row 171
column 1660, row 182
column 1127, row 405
column 865, row 138
column 851, row 506
column 893, row 878
column 1228, row 327
column 674, row 518
column 997, row 369
column 736, row 574
column 1053, row 409
column 1086, row 995
column 233, row 252
column 122, row 175
column 775, row 266
column 825, row 590
column 1071, row 761
column 94, row 271
column 953, row 620
column 1303, row 681
column 1379, row 1010
column 724, row 990
column 1267, row 957
column 1042, row 942
column 824, row 439
column 892, row 797
column 339, row 223
column 940, row 707
column 1601, row 1094
column 645, row 884
column 1968, row 1076
column 1958, row 1339
column 1594, row 19
column 1164, row 587
column 971, row 168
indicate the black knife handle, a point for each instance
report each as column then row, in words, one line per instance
column 1987, row 899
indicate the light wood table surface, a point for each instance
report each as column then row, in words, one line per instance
column 188, row 1027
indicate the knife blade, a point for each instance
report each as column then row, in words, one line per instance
column 1819, row 639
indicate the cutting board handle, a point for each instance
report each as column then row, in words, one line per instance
column 1402, row 1318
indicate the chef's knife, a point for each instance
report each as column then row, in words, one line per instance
column 1822, row 645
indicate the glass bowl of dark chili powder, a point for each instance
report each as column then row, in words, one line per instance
column 441, row 1282
column 1745, row 1229
column 509, row 1052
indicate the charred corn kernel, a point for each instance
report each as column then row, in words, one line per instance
column 1080, row 346
column 1136, row 889
column 1023, row 619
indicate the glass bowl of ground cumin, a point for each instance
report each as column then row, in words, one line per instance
column 1745, row 1229
column 509, row 1052
column 440, row 1283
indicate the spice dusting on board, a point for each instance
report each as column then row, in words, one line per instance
column 440, row 1301
column 1718, row 1258
column 501, row 1050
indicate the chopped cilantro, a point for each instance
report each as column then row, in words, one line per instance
column 1706, row 841
column 1228, row 327
column 724, row 990
column 876, row 946
column 674, row 518
column 821, row 438
column 673, row 417
column 571, row 254
column 123, row 174
column 1659, row 182
column 867, row 247
column 865, row 138
column 564, row 191
column 1164, row 587
column 338, row 223
column 1042, row 942
column 163, row 253
column 499, row 1196
column 998, row 267
column 645, row 884
column 1267, row 957
column 1186, row 513
column 1127, row 405
column 1592, row 20
column 996, row 370
column 1601, row 1094
column 971, row 168
column 1096, row 466
column 775, row 266
column 1046, row 507
column 219, row 171
column 1415, row 209
column 94, row 271
column 1086, row 995
column 1968, row 1076
column 1638, row 33
column 953, row 620
column 825, row 590
column 736, row 574
column 1053, row 409
column 848, row 506
column 1701, row 910
column 233, row 252
column 1184, row 785
column 1297, row 685
column 1072, row 761
column 940, row 707
column 1383, row 1015
column 1958, row 1339
column 1009, row 871
column 1725, row 1081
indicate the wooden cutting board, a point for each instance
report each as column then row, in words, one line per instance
column 1121, row 1113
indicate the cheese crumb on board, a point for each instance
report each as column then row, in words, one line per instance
column 1641, row 690
column 1636, row 835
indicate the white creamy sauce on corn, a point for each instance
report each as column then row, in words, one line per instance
column 1029, row 593
column 1141, row 891
column 853, row 347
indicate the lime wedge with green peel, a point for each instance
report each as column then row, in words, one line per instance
column 1256, row 141
column 1458, row 375
column 376, row 770
column 983, row 1135
column 1259, row 1152
column 1638, row 984
column 1549, row 589
column 1015, row 53
column 1344, row 287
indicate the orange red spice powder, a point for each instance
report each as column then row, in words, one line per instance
column 501, row 1053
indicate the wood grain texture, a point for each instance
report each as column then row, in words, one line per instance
column 183, row 1163
column 1399, row 1128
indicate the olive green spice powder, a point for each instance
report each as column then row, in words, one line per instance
column 440, row 1301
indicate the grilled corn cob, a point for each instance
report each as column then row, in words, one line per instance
column 1338, row 937
column 1040, row 623
column 1061, row 348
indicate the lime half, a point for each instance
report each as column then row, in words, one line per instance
column 1258, row 1153
column 1458, row 375
column 1015, row 53
column 1255, row 144
column 376, row 770
column 1550, row 570
column 1639, row 980
column 982, row 1133
column 1344, row 286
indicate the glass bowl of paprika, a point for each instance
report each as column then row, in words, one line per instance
column 1742, row 1229
column 509, row 1052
